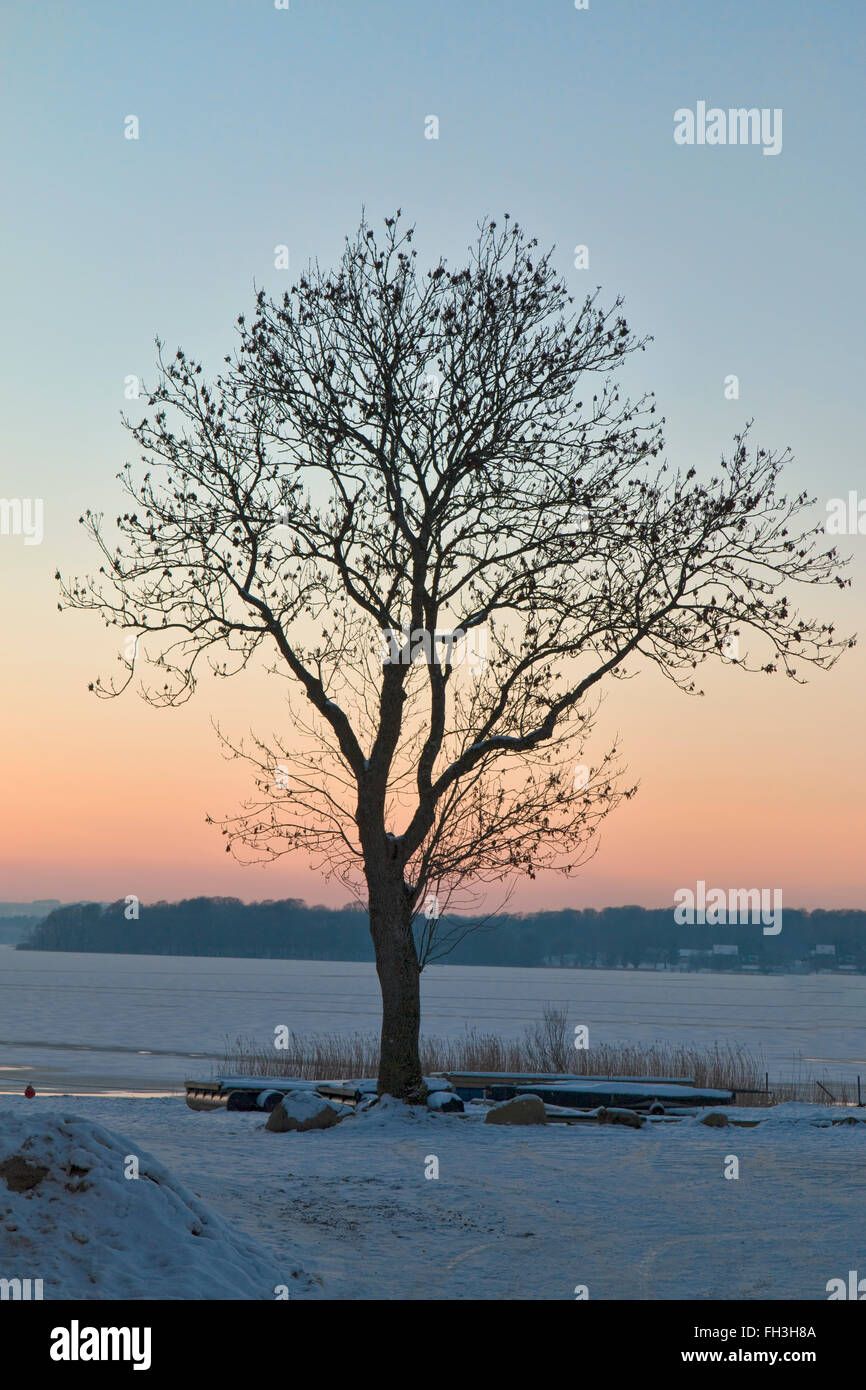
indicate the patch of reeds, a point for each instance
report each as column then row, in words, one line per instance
column 546, row 1046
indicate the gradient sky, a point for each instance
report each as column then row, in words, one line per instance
column 260, row 127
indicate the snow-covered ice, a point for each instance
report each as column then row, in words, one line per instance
column 76, row 1021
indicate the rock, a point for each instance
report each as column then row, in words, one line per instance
column 303, row 1110
column 21, row 1176
column 715, row 1120
column 523, row 1110
column 609, row 1116
column 445, row 1101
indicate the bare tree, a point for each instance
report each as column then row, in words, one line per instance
column 422, row 497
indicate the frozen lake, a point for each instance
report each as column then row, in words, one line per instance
column 110, row 1023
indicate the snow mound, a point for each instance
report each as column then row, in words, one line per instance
column 70, row 1216
column 390, row 1113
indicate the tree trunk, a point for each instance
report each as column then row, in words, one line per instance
column 399, row 980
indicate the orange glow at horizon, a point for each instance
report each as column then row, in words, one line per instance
column 756, row 784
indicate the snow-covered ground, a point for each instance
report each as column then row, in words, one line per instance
column 514, row 1213
column 99, row 1022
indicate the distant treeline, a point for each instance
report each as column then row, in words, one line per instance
column 609, row 938
column 16, row 919
column 13, row 927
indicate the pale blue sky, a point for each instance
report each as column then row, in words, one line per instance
column 261, row 127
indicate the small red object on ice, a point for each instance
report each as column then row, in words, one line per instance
column 29, row 1091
